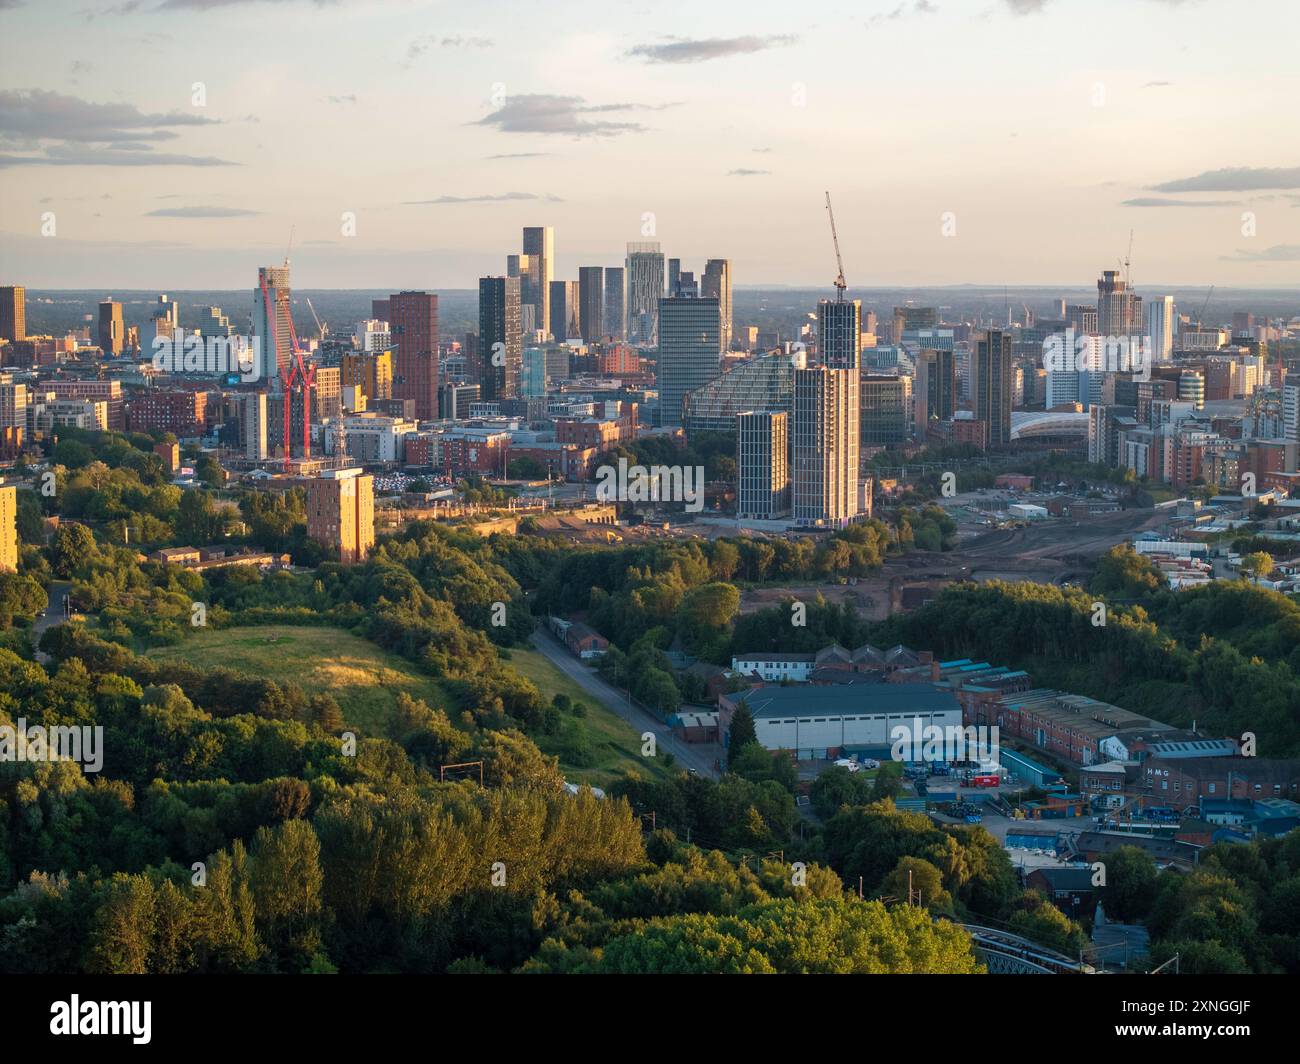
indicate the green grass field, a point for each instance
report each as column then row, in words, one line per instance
column 611, row 747
column 365, row 679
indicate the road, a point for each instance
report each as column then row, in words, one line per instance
column 55, row 613
column 699, row 756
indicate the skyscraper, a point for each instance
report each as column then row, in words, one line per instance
column 645, row 288
column 690, row 350
column 413, row 332
column 716, row 284
column 500, row 341
column 824, row 475
column 674, row 276
column 525, row 268
column 272, row 317
column 13, row 313
column 616, row 302
column 539, row 245
column 1160, row 328
column 762, row 464
column 936, row 387
column 111, row 330
column 564, row 309
column 1119, row 311
column 591, row 303
column 839, row 333
column 992, row 385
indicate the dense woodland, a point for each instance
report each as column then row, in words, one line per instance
column 242, row 824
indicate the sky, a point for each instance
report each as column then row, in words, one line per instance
column 174, row 144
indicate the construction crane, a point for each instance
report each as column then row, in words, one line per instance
column 840, row 283
column 321, row 329
column 1200, row 318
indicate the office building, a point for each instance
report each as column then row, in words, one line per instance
column 1082, row 319
column 539, row 246
column 886, row 409
column 762, row 384
column 413, row 332
column 13, row 313
column 500, row 339
column 991, row 372
column 762, row 464
column 564, row 310
column 716, row 284
column 112, row 331
column 690, row 350
column 616, row 302
column 591, row 303
column 1160, row 328
column 935, row 390
column 645, row 288
column 907, row 318
column 341, row 513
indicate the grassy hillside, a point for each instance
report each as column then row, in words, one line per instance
column 611, row 747
column 365, row 679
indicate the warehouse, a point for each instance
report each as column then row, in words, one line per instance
column 819, row 722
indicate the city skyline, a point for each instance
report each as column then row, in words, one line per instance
column 155, row 173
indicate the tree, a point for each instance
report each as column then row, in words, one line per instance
column 741, row 733
column 823, row 936
column 73, row 547
column 1130, row 886
column 1257, row 565
column 923, row 880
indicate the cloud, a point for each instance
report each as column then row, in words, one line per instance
column 921, row 7
column 1030, row 7
column 201, row 212
column 501, row 197
column 1158, row 201
column 686, row 50
column 39, row 114
column 1235, row 179
column 520, row 155
column 746, row 173
column 77, row 156
column 1276, row 253
column 350, row 98
column 565, row 115
column 205, row 5
column 423, row 43
column 1156, row 84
